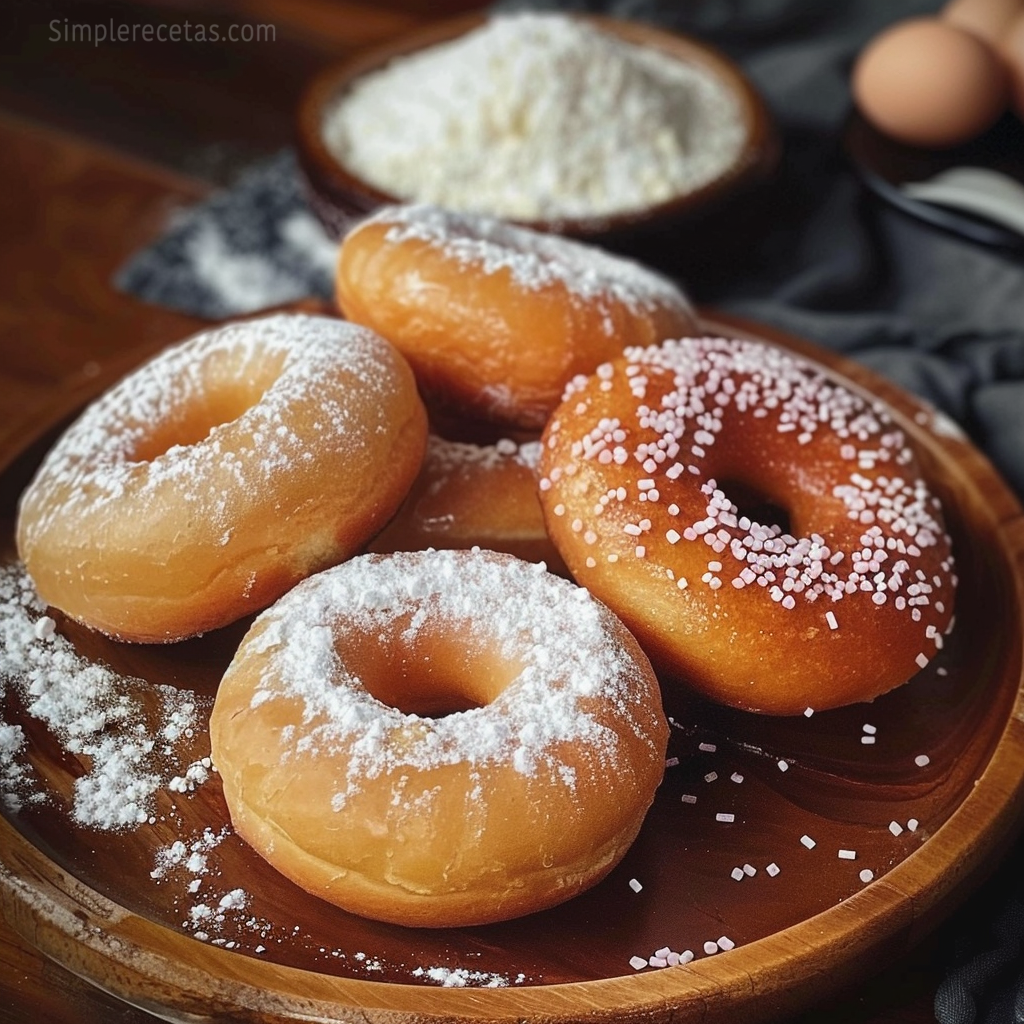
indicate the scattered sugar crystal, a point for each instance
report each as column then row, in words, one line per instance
column 94, row 713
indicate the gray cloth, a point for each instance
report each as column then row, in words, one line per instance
column 941, row 316
column 247, row 248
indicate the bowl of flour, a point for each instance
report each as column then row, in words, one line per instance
column 588, row 126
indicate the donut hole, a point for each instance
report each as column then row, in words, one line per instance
column 230, row 386
column 756, row 505
column 426, row 673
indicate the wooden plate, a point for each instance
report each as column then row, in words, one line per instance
column 927, row 808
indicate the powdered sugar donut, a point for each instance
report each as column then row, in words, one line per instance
column 766, row 532
column 474, row 495
column 220, row 473
column 439, row 738
column 496, row 319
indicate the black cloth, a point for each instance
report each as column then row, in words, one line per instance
column 823, row 259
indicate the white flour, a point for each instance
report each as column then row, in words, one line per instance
column 537, row 117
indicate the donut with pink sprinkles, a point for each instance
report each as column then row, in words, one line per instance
column 764, row 530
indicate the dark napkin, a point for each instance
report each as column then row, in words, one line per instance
column 823, row 259
column 247, row 248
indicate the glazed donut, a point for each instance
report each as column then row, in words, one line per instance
column 496, row 319
column 220, row 473
column 432, row 738
column 764, row 531
column 472, row 495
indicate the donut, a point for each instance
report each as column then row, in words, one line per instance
column 766, row 532
column 494, row 318
column 474, row 495
column 433, row 738
column 214, row 477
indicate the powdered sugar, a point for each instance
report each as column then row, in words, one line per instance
column 16, row 782
column 109, row 450
column 448, row 456
column 533, row 259
column 190, row 856
column 460, row 977
column 556, row 634
column 96, row 714
column 537, row 117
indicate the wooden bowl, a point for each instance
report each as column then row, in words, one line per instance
column 338, row 196
column 87, row 898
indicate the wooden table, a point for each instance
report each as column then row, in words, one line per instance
column 98, row 146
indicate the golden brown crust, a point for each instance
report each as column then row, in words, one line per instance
column 470, row 495
column 844, row 600
column 216, row 476
column 495, row 320
column 495, row 809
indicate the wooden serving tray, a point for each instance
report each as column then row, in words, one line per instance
column 89, row 898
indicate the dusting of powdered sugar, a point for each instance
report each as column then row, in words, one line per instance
column 565, row 642
column 94, row 713
column 534, row 259
column 460, row 977
column 97, row 461
column 16, row 780
column 448, row 456
column 538, row 117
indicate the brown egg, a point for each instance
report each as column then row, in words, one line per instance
column 928, row 83
column 1012, row 49
column 987, row 19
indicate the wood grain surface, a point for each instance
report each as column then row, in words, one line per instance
column 99, row 149
column 89, row 898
